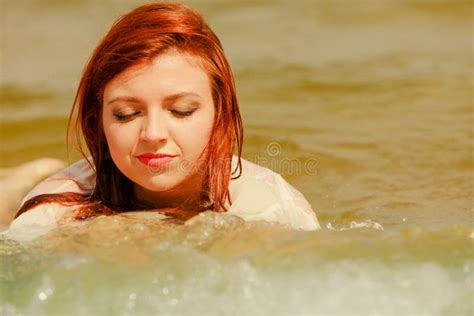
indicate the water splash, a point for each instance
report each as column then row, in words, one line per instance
column 368, row 223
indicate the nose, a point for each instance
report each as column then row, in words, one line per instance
column 154, row 128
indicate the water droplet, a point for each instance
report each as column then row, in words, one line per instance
column 45, row 293
column 43, row 296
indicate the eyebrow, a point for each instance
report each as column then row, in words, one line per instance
column 168, row 99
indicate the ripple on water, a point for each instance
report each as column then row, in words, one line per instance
column 217, row 263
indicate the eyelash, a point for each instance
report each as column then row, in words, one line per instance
column 124, row 117
column 182, row 113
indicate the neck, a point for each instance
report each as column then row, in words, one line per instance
column 187, row 198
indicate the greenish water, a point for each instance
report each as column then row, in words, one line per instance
column 217, row 265
column 378, row 93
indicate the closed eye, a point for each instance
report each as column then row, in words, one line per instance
column 121, row 117
column 182, row 114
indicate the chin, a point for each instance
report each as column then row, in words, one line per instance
column 162, row 184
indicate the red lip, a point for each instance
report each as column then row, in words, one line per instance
column 156, row 161
column 152, row 156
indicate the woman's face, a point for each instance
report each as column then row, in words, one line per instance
column 157, row 119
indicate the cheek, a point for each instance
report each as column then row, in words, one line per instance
column 194, row 137
column 119, row 140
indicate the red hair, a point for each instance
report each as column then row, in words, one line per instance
column 137, row 37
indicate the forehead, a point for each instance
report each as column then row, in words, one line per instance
column 165, row 74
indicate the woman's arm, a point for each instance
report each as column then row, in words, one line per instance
column 17, row 181
column 42, row 218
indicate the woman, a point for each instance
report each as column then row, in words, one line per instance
column 158, row 112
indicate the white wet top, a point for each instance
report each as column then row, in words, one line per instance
column 258, row 194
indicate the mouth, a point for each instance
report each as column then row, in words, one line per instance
column 157, row 161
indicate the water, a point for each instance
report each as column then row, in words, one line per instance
column 377, row 93
column 220, row 265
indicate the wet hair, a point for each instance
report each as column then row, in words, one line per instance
column 137, row 37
